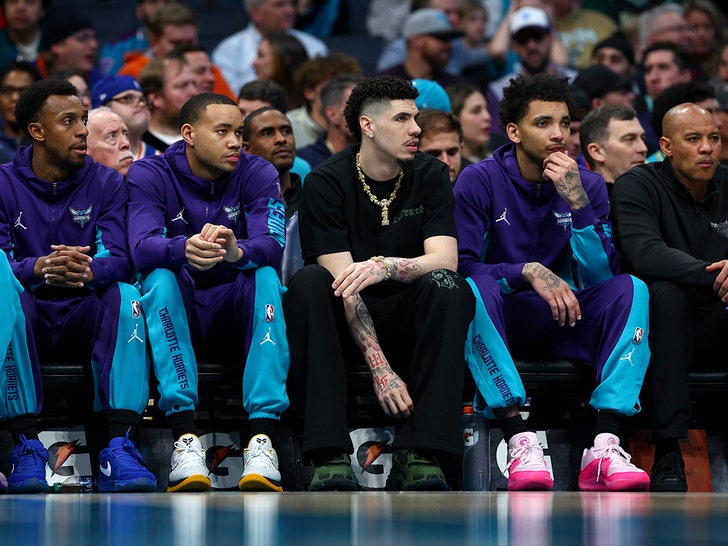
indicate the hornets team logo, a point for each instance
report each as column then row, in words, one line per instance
column 232, row 212
column 638, row 333
column 563, row 219
column 136, row 309
column 720, row 228
column 81, row 217
column 270, row 312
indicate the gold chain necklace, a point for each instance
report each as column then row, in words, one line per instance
column 384, row 203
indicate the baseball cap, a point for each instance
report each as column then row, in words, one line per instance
column 432, row 95
column 529, row 17
column 430, row 22
column 598, row 80
column 619, row 42
column 108, row 87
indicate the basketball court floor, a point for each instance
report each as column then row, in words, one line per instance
column 366, row 518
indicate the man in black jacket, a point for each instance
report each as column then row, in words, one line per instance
column 671, row 225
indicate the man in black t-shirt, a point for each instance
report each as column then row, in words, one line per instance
column 377, row 229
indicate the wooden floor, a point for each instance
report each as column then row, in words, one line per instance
column 377, row 518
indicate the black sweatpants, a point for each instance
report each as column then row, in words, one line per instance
column 686, row 327
column 421, row 329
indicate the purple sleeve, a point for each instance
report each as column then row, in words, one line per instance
column 149, row 247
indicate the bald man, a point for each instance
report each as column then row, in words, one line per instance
column 108, row 140
column 671, row 225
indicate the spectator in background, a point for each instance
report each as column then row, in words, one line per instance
column 337, row 137
column 603, row 86
column 20, row 38
column 168, row 83
column 15, row 78
column 279, row 55
column 429, row 38
column 698, row 93
column 78, row 81
column 172, row 25
column 235, row 54
column 124, row 95
column 477, row 65
column 108, row 140
column 579, row 29
column 258, row 93
column 385, row 18
column 612, row 141
column 470, row 107
column 720, row 81
column 665, row 23
column 113, row 53
column 431, row 95
column 616, row 53
column 69, row 43
column 442, row 137
column 209, row 78
column 308, row 121
column 708, row 25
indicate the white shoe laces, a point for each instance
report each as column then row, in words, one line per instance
column 530, row 455
column 186, row 451
column 616, row 455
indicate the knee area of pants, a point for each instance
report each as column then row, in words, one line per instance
column 668, row 293
column 311, row 277
column 266, row 275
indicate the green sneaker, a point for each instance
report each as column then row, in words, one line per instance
column 411, row 472
column 334, row 475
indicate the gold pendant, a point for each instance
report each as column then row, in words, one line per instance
column 385, row 216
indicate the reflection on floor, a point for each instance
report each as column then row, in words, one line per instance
column 401, row 519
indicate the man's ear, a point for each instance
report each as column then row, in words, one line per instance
column 595, row 150
column 36, row 131
column 188, row 134
column 513, row 133
column 666, row 146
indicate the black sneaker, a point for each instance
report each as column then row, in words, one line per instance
column 334, row 475
column 412, row 472
column 668, row 474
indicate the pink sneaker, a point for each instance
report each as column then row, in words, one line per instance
column 527, row 470
column 606, row 467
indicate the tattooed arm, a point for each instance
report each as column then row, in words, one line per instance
column 441, row 252
column 563, row 172
column 555, row 291
column 391, row 391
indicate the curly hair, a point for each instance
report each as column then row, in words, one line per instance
column 33, row 100
column 373, row 95
column 522, row 91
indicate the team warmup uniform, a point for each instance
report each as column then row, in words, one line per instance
column 505, row 222
column 101, row 321
column 420, row 326
column 668, row 239
column 231, row 312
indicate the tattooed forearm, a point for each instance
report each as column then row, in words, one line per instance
column 361, row 328
column 403, row 268
column 536, row 272
column 571, row 190
column 550, row 281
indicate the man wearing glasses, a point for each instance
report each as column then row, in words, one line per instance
column 15, row 78
column 124, row 95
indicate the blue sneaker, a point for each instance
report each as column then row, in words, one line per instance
column 122, row 470
column 29, row 460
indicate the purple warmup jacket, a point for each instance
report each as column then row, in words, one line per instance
column 168, row 204
column 505, row 222
column 88, row 208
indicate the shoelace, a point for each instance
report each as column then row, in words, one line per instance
column 27, row 449
column 614, row 453
column 128, row 452
column 528, row 455
column 187, row 448
column 259, row 448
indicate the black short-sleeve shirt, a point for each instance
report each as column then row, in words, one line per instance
column 336, row 215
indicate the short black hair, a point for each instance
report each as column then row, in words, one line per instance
column 32, row 100
column 682, row 58
column 193, row 110
column 523, row 90
column 674, row 95
column 20, row 66
column 594, row 126
column 265, row 91
column 375, row 91
column 248, row 123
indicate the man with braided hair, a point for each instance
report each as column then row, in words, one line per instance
column 378, row 233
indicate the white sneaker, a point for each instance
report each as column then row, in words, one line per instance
column 261, row 466
column 607, row 467
column 189, row 468
column 527, row 470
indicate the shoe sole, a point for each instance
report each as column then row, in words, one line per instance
column 256, row 482
column 433, row 484
column 32, row 485
column 334, row 484
column 140, row 485
column 626, row 485
column 196, row 482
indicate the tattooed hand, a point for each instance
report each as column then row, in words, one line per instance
column 562, row 171
column 391, row 392
column 555, row 291
column 357, row 277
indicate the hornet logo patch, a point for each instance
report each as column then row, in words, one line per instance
column 232, row 212
column 81, row 217
column 563, row 219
